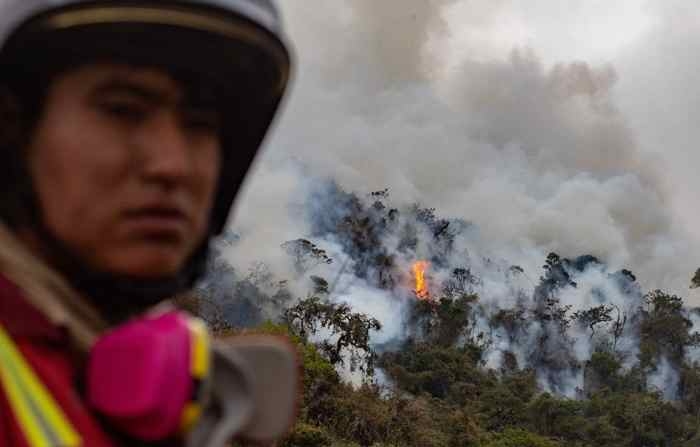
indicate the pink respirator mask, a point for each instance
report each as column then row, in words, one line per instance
column 161, row 377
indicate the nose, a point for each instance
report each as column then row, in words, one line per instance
column 165, row 150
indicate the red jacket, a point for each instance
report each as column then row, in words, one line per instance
column 46, row 349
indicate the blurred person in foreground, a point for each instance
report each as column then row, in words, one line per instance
column 126, row 128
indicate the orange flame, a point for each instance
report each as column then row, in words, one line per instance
column 421, row 289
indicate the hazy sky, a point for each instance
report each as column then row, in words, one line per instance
column 652, row 45
column 554, row 125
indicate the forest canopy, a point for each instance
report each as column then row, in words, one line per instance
column 579, row 357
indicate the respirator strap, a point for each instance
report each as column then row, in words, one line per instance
column 200, row 364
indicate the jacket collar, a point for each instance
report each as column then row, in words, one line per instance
column 42, row 297
column 20, row 318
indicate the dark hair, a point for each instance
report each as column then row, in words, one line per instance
column 19, row 114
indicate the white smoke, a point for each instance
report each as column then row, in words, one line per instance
column 440, row 101
column 660, row 99
column 536, row 156
column 692, row 355
column 665, row 379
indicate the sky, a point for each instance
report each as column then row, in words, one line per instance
column 555, row 125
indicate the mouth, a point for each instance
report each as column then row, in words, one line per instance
column 167, row 223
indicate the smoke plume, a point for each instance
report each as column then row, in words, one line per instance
column 537, row 157
column 533, row 156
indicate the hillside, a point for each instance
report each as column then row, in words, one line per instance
column 412, row 335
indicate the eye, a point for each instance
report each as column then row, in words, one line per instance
column 124, row 109
column 201, row 120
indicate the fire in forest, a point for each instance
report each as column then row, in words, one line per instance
column 421, row 284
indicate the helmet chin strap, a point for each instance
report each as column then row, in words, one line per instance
column 118, row 297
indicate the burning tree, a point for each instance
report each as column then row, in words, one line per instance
column 421, row 285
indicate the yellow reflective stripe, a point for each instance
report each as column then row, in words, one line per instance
column 199, row 370
column 57, row 420
column 25, row 417
column 39, row 415
column 199, row 362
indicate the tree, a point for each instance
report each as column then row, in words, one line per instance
column 199, row 304
column 513, row 321
column 437, row 370
column 520, row 438
column 618, row 327
column 556, row 274
column 602, row 370
column 456, row 321
column 665, row 330
column 593, row 317
column 306, row 435
column 462, row 281
column 553, row 312
column 447, row 320
column 349, row 331
column 320, row 285
column 306, row 255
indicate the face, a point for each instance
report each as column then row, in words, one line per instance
column 125, row 166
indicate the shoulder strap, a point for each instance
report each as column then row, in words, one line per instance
column 41, row 419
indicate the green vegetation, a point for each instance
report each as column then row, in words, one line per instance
column 473, row 368
column 438, row 394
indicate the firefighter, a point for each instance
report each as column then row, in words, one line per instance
column 126, row 128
